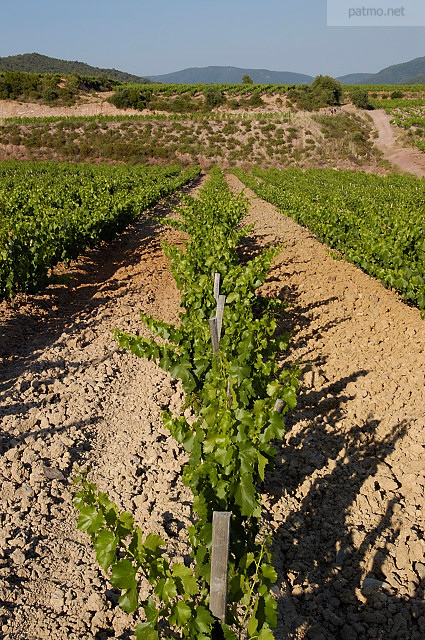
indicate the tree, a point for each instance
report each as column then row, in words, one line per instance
column 327, row 89
column 131, row 97
column 247, row 79
column 214, row 97
column 360, row 98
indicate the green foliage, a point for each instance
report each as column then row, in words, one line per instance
column 50, row 95
column 124, row 553
column 233, row 396
column 324, row 91
column 328, row 90
column 360, row 98
column 375, row 222
column 247, row 79
column 39, row 64
column 131, row 98
column 51, row 212
column 256, row 100
column 214, row 96
column 18, row 85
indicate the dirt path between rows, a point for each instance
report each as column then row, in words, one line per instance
column 344, row 502
column 406, row 158
column 69, row 396
column 346, row 499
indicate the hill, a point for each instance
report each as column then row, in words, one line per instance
column 417, row 79
column 354, row 78
column 404, row 73
column 37, row 63
column 231, row 75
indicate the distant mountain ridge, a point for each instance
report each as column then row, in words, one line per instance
column 230, row 75
column 411, row 72
column 354, row 78
column 37, row 63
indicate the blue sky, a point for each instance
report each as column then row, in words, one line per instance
column 147, row 38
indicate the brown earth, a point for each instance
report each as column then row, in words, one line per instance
column 344, row 503
column 90, row 106
column 270, row 137
column 407, row 159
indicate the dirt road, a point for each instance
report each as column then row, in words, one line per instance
column 407, row 159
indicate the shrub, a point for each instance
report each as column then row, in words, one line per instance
column 50, row 95
column 360, row 98
column 131, row 98
column 255, row 100
column 214, row 97
column 327, row 89
column 324, row 91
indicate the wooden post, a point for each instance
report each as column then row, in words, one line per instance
column 229, row 394
column 214, row 335
column 216, row 285
column 279, row 404
column 219, row 314
column 219, row 563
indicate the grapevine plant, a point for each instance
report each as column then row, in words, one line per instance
column 233, row 396
column 376, row 222
column 51, row 212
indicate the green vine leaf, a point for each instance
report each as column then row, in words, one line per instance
column 129, row 600
column 123, row 575
column 180, row 614
column 105, row 545
column 90, row 519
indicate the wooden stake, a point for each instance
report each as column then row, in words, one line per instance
column 216, row 285
column 229, row 394
column 214, row 335
column 279, row 404
column 219, row 563
column 219, row 314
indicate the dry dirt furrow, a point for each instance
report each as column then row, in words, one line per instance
column 69, row 396
column 346, row 499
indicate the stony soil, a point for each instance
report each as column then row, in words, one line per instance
column 407, row 159
column 344, row 502
column 91, row 105
column 69, row 396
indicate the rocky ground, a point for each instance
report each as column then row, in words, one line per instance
column 407, row 158
column 90, row 105
column 344, row 502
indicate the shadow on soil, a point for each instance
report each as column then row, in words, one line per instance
column 334, row 588
column 328, row 594
column 331, row 574
column 32, row 323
